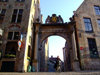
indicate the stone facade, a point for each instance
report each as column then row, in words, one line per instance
column 89, row 60
column 43, row 31
column 55, row 26
column 19, row 23
column 20, row 20
column 43, row 56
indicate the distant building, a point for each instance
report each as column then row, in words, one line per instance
column 43, row 56
column 53, row 63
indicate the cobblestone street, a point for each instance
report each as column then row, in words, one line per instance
column 52, row 73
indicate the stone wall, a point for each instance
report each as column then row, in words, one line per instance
column 87, row 10
column 25, row 28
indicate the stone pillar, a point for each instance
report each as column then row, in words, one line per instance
column 68, row 53
column 74, row 51
column 74, row 46
column 35, row 61
column 69, row 35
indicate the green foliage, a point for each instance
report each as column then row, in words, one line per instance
column 10, row 56
column 28, row 58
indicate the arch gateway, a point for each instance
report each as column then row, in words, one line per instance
column 54, row 26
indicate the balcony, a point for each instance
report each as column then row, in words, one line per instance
column 10, row 54
column 11, row 49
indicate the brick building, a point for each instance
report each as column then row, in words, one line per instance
column 87, row 18
column 16, row 22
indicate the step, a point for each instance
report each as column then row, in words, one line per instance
column 51, row 73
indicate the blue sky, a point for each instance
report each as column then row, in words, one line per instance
column 64, row 8
column 56, row 45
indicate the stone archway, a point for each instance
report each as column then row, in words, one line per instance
column 54, row 25
column 42, row 31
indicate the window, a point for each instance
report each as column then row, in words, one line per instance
column 29, row 51
column 88, row 25
column 20, row 0
column 17, row 15
column 13, row 36
column 11, row 48
column 98, row 22
column 7, row 66
column 97, row 10
column 2, row 14
column 93, row 48
column 3, row 0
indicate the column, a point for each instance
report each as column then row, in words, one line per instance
column 76, row 66
column 35, row 61
column 74, row 46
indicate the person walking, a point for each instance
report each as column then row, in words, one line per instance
column 58, row 64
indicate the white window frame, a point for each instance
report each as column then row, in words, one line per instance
column 17, row 15
column 12, row 38
column 1, row 10
column 97, row 10
column 98, row 20
column 16, row 19
column 88, row 25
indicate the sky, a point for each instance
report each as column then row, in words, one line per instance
column 64, row 8
column 56, row 45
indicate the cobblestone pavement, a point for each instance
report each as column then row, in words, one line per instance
column 53, row 73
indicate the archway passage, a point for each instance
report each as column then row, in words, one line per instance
column 56, row 45
column 43, row 31
column 51, row 54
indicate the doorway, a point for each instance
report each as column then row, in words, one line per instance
column 52, row 52
column 7, row 66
